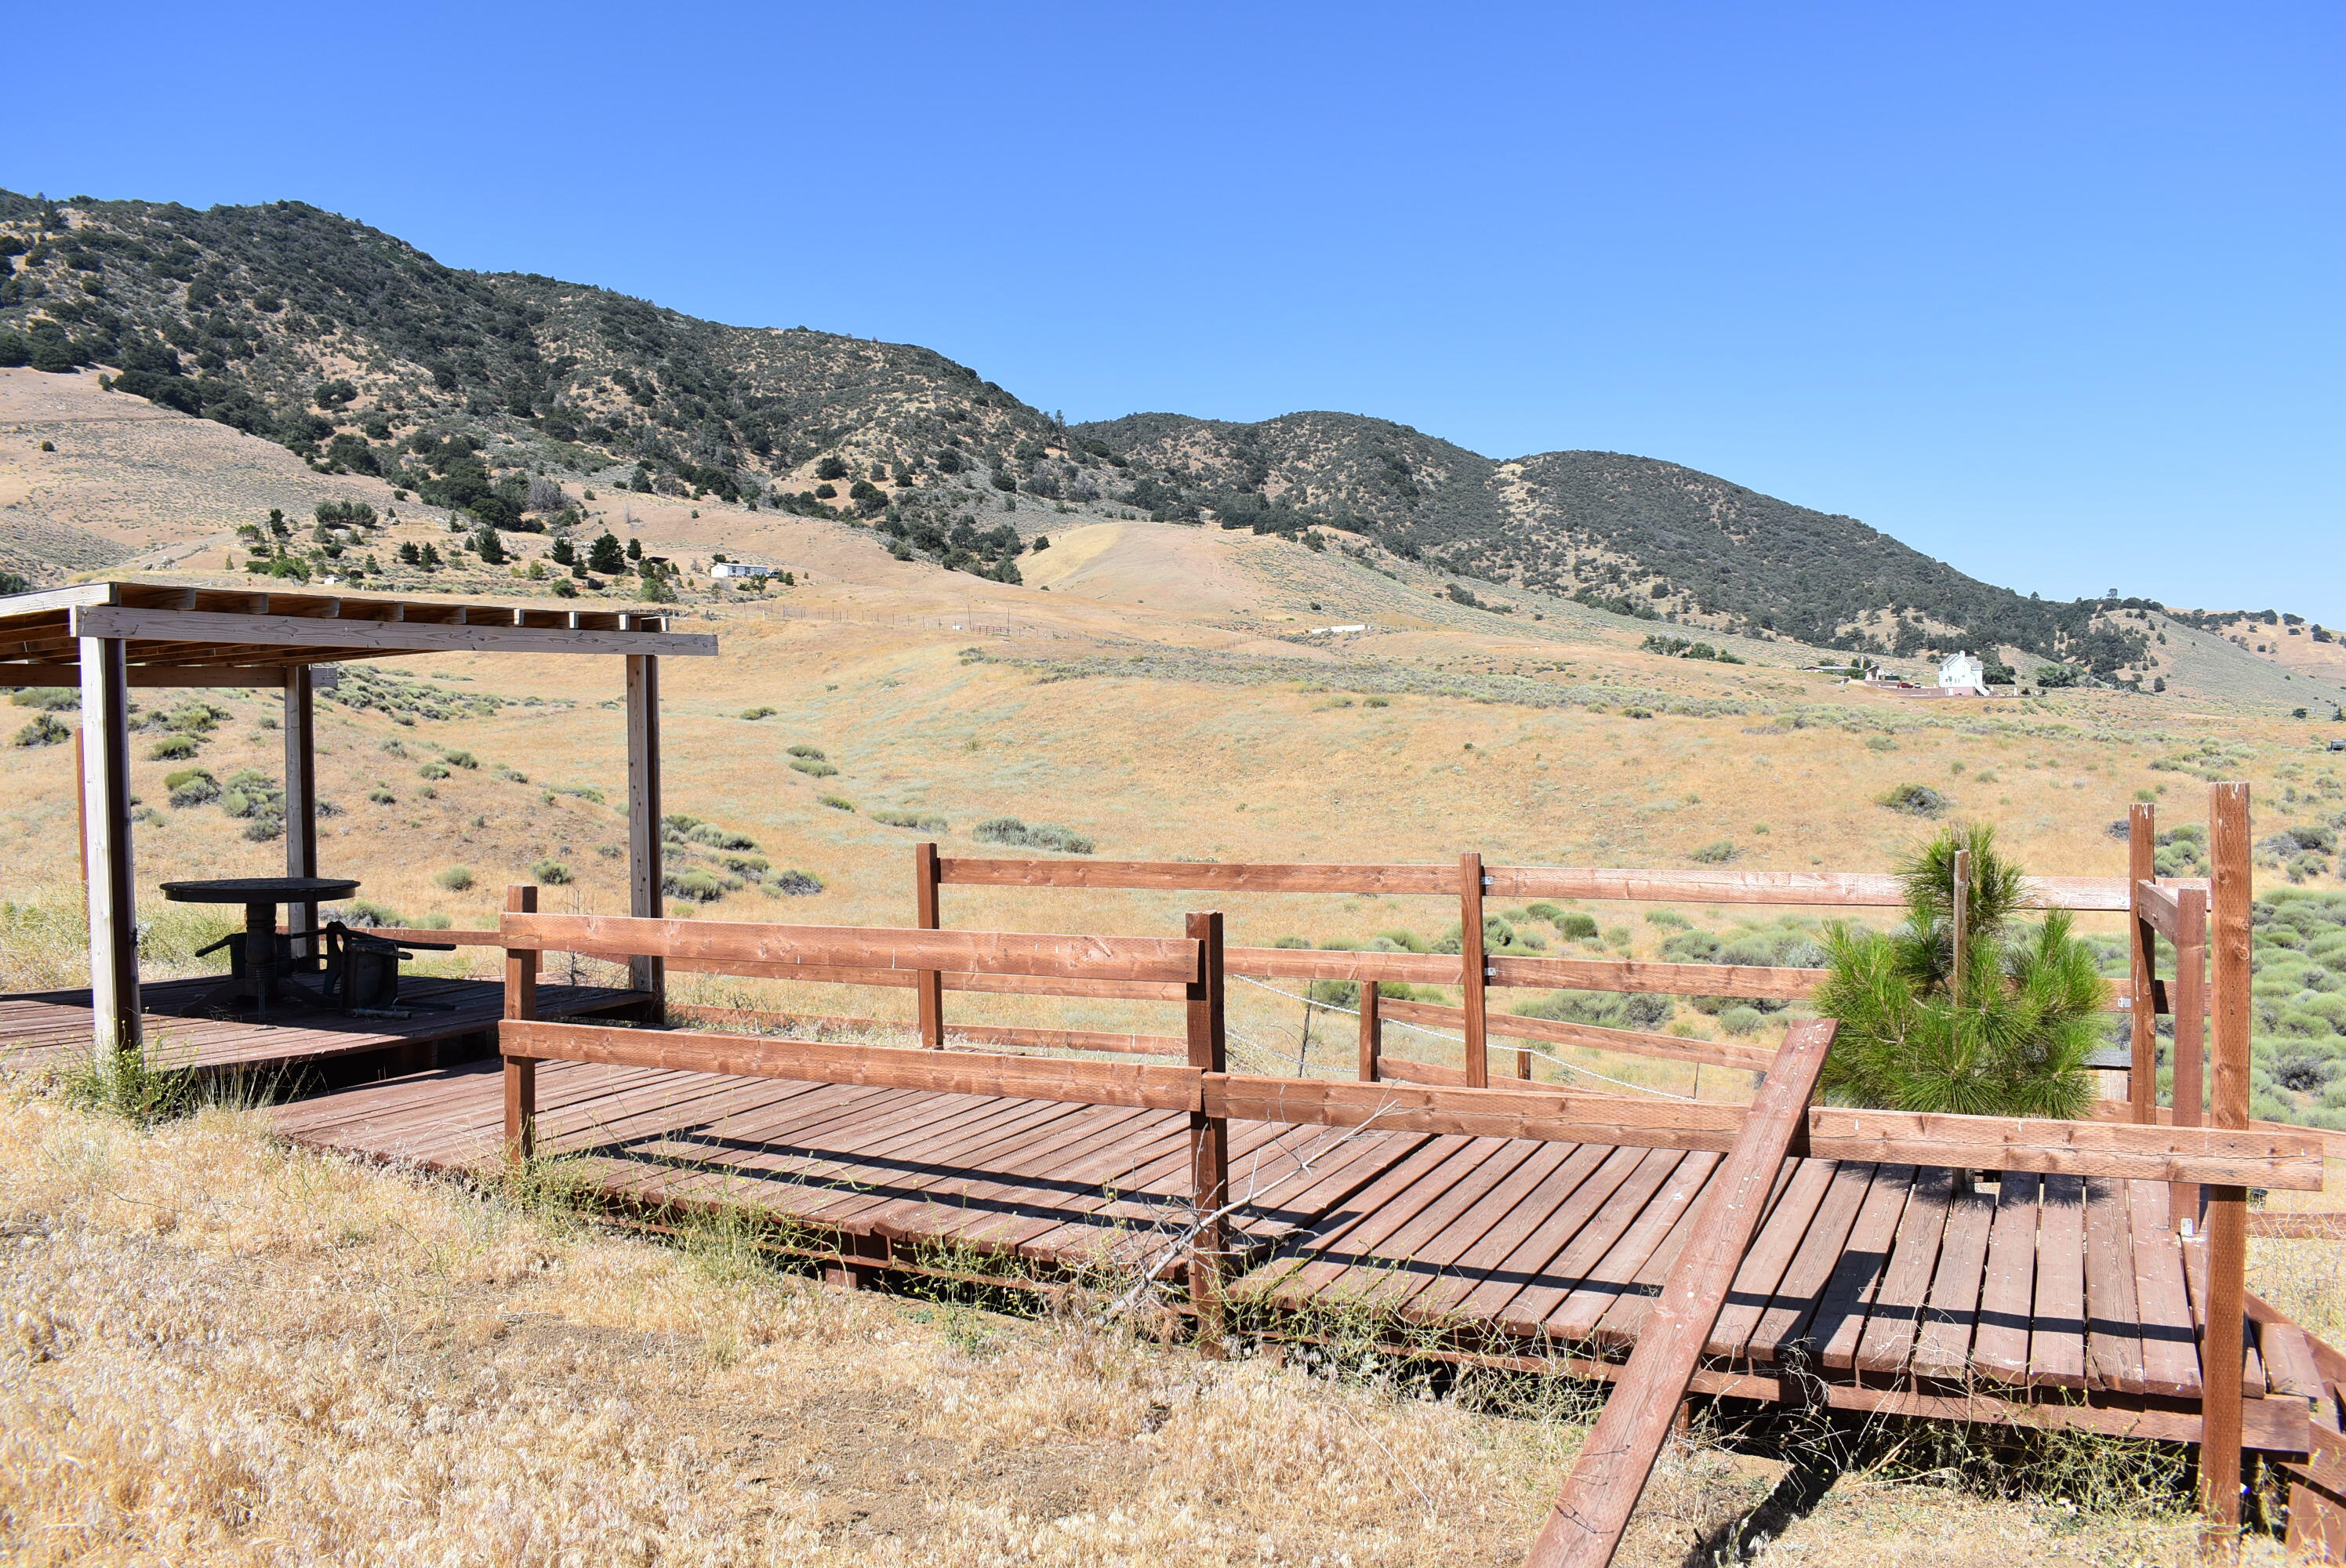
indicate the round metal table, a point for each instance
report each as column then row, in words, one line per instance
column 266, row 957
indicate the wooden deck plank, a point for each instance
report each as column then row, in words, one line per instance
column 1574, row 1321
column 1894, row 1318
column 1423, row 1250
column 1942, row 1350
column 2288, row 1361
column 2007, row 1292
column 1535, row 1188
column 1830, row 1336
column 1767, row 1271
column 1625, row 1320
column 2113, row 1326
column 1528, row 1309
column 1322, row 1253
column 2170, row 1347
column 1368, row 1254
column 2056, row 1330
column 1560, row 1216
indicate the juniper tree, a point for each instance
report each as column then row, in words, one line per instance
column 2006, row 1033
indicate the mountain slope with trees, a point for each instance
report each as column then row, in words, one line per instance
column 364, row 354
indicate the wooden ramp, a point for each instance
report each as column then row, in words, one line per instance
column 40, row 1030
column 1884, row 1287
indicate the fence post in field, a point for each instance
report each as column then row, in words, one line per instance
column 521, row 1005
column 2142, row 866
column 1209, row 1172
column 928, row 985
column 1471, row 967
column 1371, row 1030
column 2221, row 1358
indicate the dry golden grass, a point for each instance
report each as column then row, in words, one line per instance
column 221, row 1351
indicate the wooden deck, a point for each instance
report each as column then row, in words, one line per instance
column 1863, row 1277
column 44, row 1029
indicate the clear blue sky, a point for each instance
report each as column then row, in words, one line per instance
column 2050, row 290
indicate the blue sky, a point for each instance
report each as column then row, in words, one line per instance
column 2050, row 290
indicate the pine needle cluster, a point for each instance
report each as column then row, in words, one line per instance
column 2008, row 1034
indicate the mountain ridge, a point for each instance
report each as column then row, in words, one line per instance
column 364, row 354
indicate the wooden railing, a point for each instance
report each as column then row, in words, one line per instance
column 1475, row 973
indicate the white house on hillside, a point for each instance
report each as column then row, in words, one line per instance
column 1963, row 676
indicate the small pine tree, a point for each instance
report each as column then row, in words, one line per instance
column 492, row 549
column 605, row 555
column 2006, row 1036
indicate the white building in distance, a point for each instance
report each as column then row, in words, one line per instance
column 742, row 569
column 1963, row 676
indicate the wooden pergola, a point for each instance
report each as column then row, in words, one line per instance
column 108, row 637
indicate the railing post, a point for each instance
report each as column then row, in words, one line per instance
column 1209, row 1172
column 2222, row 1362
column 1471, row 967
column 2188, row 998
column 2142, row 866
column 521, row 1005
column 1373, row 1030
column 928, row 985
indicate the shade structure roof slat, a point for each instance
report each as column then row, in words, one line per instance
column 166, row 627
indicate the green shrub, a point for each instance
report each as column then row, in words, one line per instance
column 693, row 884
column 756, row 713
column 48, row 699
column 1741, row 1020
column 510, row 775
column 459, row 758
column 915, row 819
column 45, row 731
column 553, row 873
column 812, row 753
column 1376, row 702
column 1577, row 924
column 455, row 879
column 813, row 770
column 1668, row 919
column 359, row 912
column 1718, row 852
column 2008, row 1036
column 795, row 884
column 1914, row 800
column 382, row 796
column 1041, row 836
column 172, row 748
column 717, row 838
column 838, row 802
column 432, row 770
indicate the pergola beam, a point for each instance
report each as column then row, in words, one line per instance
column 215, row 627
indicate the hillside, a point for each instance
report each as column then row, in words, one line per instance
column 363, row 355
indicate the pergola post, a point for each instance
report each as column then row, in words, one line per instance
column 301, row 799
column 106, row 846
column 644, row 882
